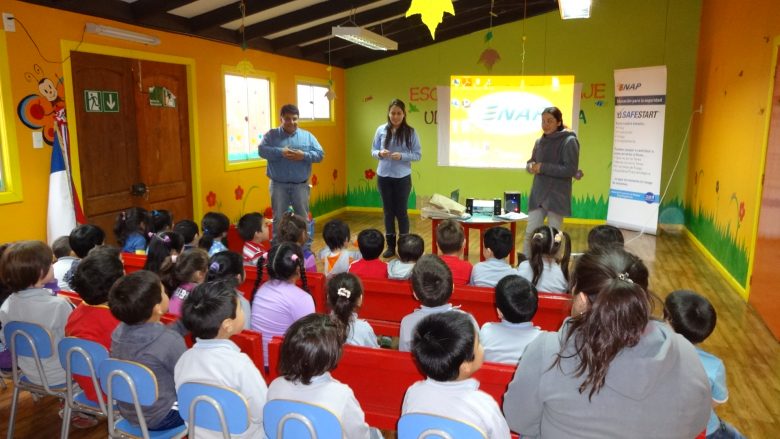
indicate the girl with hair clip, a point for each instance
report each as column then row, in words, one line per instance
column 345, row 296
column 611, row 368
column 312, row 347
column 229, row 266
column 181, row 276
column 279, row 301
column 130, row 229
column 166, row 245
column 160, row 221
column 215, row 226
column 293, row 228
column 548, row 273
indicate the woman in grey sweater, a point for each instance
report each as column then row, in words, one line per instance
column 611, row 371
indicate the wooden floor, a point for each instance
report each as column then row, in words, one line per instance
column 751, row 354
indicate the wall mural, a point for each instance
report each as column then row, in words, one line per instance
column 37, row 111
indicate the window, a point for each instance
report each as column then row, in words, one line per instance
column 10, row 176
column 313, row 102
column 248, row 114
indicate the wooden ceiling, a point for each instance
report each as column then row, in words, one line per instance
column 302, row 28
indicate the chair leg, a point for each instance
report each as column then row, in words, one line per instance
column 65, row 430
column 12, row 418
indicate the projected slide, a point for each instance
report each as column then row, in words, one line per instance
column 494, row 120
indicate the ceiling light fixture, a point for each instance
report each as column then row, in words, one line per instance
column 364, row 37
column 574, row 9
column 122, row 34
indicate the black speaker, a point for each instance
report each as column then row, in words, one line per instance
column 512, row 201
column 497, row 206
column 469, row 206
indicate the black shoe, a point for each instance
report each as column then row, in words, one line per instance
column 389, row 253
column 390, row 240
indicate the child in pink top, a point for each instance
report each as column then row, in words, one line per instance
column 181, row 276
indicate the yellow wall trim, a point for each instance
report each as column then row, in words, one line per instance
column 8, row 141
column 726, row 275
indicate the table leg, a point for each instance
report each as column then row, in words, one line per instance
column 466, row 245
column 481, row 244
column 513, row 229
column 434, row 244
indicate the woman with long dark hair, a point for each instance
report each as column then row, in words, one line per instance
column 396, row 146
column 611, row 370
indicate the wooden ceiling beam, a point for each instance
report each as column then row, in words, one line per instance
column 143, row 9
column 231, row 12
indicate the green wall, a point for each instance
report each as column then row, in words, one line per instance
column 619, row 34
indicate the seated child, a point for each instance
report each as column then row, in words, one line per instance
column 212, row 314
column 447, row 351
column 215, row 226
column 25, row 267
column 229, row 266
column 188, row 229
column 543, row 268
column 254, row 231
column 92, row 320
column 694, row 317
column 345, row 296
column 279, row 301
column 451, row 240
column 81, row 240
column 335, row 257
column 498, row 244
column 294, row 228
column 432, row 286
column 160, row 221
column 65, row 259
column 410, row 248
column 139, row 301
column 370, row 242
column 311, row 348
column 183, row 275
column 162, row 246
column 605, row 236
column 516, row 303
column 130, row 230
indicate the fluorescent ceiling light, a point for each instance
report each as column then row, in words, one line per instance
column 574, row 9
column 364, row 37
column 122, row 34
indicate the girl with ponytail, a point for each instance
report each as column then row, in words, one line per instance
column 215, row 226
column 228, row 266
column 548, row 265
column 345, row 296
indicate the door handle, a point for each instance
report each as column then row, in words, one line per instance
column 139, row 190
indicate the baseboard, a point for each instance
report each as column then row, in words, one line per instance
column 718, row 266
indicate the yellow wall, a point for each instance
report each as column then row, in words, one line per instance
column 52, row 30
column 729, row 137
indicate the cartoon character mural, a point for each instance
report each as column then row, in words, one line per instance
column 38, row 110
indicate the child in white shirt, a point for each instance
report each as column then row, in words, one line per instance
column 336, row 257
column 345, row 296
column 544, row 269
column 410, row 249
column 516, row 304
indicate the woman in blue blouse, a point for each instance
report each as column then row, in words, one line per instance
column 396, row 146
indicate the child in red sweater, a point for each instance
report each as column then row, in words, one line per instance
column 451, row 239
column 370, row 242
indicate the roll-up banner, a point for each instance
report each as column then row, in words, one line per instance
column 640, row 108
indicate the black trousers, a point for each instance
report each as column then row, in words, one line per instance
column 395, row 197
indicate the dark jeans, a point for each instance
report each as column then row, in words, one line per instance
column 395, row 196
column 171, row 420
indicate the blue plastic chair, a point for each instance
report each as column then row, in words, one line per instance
column 81, row 357
column 132, row 383
column 423, row 425
column 29, row 340
column 285, row 419
column 215, row 408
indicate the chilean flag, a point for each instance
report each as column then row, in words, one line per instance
column 64, row 212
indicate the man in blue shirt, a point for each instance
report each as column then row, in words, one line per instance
column 290, row 151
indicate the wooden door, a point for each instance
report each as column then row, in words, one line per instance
column 137, row 143
column 764, row 291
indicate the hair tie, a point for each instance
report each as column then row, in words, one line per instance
column 173, row 258
column 558, row 237
column 625, row 277
column 155, row 213
column 123, row 215
column 150, row 235
column 294, row 257
column 214, row 266
column 166, row 239
column 343, row 292
column 538, row 235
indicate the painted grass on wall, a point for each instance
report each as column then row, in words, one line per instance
column 720, row 242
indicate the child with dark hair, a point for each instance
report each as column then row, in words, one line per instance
column 188, row 229
column 215, row 226
column 138, row 300
column 61, row 248
column 693, row 316
column 212, row 314
column 253, row 230
column 447, row 351
column 410, row 248
column 229, row 266
column 605, row 236
column 92, row 320
column 312, row 347
column 516, row 304
column 279, row 301
column 65, row 260
column 130, row 229
column 370, row 242
column 336, row 258
column 345, row 296
column 544, row 268
column 451, row 240
column 162, row 246
column 498, row 244
column 161, row 220
column 294, row 228
column 183, row 275
column 432, row 286
column 81, row 240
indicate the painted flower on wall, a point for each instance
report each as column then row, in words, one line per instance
column 314, row 179
column 741, row 211
column 239, row 192
column 369, row 174
column 335, row 174
column 211, row 199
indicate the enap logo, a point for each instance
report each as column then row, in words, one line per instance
column 508, row 112
column 629, row 86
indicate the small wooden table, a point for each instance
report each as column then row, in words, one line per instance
column 480, row 224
